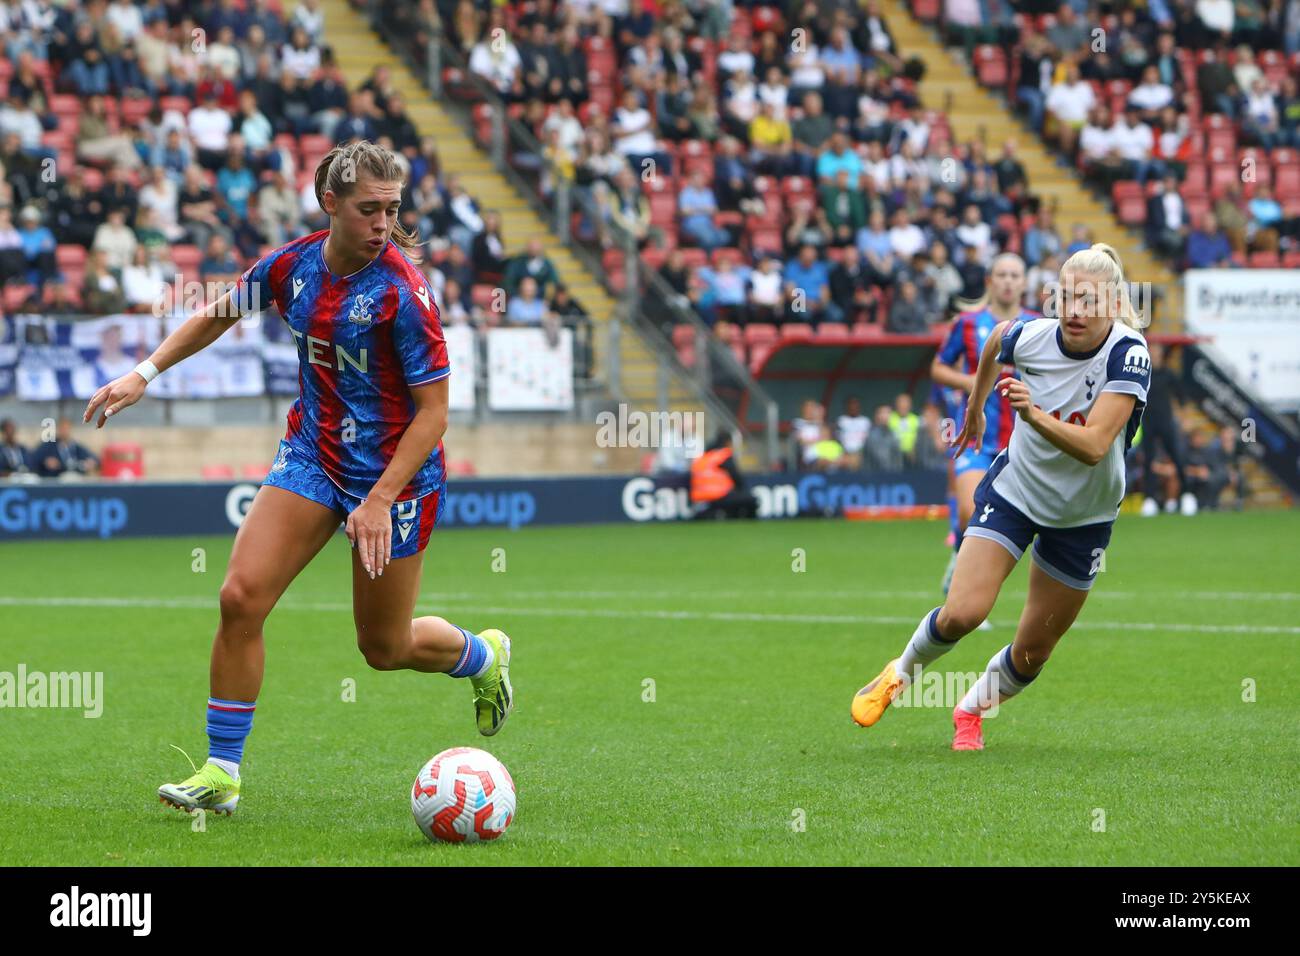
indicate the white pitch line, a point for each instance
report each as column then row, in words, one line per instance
column 633, row 613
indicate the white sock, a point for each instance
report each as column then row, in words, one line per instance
column 925, row 647
column 1000, row 681
column 228, row 766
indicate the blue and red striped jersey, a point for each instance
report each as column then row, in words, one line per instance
column 363, row 340
column 965, row 342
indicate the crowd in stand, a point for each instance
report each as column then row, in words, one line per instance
column 771, row 168
column 1185, row 112
column 141, row 140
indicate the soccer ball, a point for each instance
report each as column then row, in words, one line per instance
column 463, row 795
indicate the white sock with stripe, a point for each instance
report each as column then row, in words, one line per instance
column 1000, row 681
column 925, row 647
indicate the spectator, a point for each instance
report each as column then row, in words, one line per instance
column 1035, row 76
column 1160, row 429
column 300, row 57
column 143, row 281
column 96, row 144
column 1266, row 221
column 905, row 237
column 1259, row 115
column 976, row 234
column 846, row 209
column 905, row 425
column 1207, row 247
column 488, row 250
column 724, row 290
column 807, row 287
column 14, row 458
column 218, row 264
column 1041, row 239
column 38, row 247
column 766, row 293
column 931, row 446
column 907, row 314
column 851, row 287
column 810, row 134
column 1232, row 215
column 839, row 156
column 881, row 452
column 697, row 207
column 771, row 139
column 1166, row 225
column 1080, row 238
column 877, row 250
column 1133, row 142
column 1173, row 142
column 64, row 455
column 1215, row 83
column 101, row 293
column 1152, row 95
column 806, row 432
column 852, row 429
column 1208, row 472
column 634, row 136
column 534, row 263
column 279, row 216
column 733, row 180
column 115, row 239
column 210, row 127
column 527, row 308
column 1069, row 103
column 940, row 282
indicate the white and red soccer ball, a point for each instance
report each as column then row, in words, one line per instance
column 463, row 795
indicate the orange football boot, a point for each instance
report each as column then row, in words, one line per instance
column 870, row 702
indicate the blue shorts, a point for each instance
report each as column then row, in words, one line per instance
column 971, row 460
column 1072, row 556
column 301, row 472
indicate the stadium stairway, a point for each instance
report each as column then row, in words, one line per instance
column 358, row 50
column 975, row 113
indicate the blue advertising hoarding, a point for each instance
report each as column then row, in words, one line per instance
column 116, row 509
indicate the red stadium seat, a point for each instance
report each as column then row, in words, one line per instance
column 796, row 330
column 759, row 333
column 1286, row 180
column 765, row 240
column 217, row 472
column 1265, row 259
column 683, row 335
column 991, row 65
column 255, row 472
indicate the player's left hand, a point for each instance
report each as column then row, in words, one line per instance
column 1017, row 393
column 370, row 529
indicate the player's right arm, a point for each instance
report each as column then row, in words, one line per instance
column 197, row 332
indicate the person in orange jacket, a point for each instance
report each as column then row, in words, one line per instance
column 717, row 488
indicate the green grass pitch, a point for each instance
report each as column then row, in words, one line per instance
column 1139, row 721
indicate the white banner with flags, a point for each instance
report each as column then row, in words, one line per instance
column 1252, row 319
column 529, row 370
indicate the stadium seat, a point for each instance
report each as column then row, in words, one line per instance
column 255, row 472
column 683, row 335
column 1265, row 259
column 796, row 330
column 217, row 472
column 991, row 65
column 758, row 333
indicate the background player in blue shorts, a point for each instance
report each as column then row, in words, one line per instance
column 363, row 447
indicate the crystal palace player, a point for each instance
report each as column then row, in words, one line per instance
column 1079, row 399
column 954, row 368
column 363, row 446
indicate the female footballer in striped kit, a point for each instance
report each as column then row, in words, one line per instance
column 1082, row 385
column 363, row 448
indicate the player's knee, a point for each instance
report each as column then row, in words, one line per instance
column 382, row 655
column 242, row 601
column 960, row 618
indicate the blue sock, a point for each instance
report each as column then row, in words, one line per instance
column 229, row 724
column 954, row 522
column 475, row 658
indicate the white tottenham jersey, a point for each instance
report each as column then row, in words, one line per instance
column 1047, row 485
